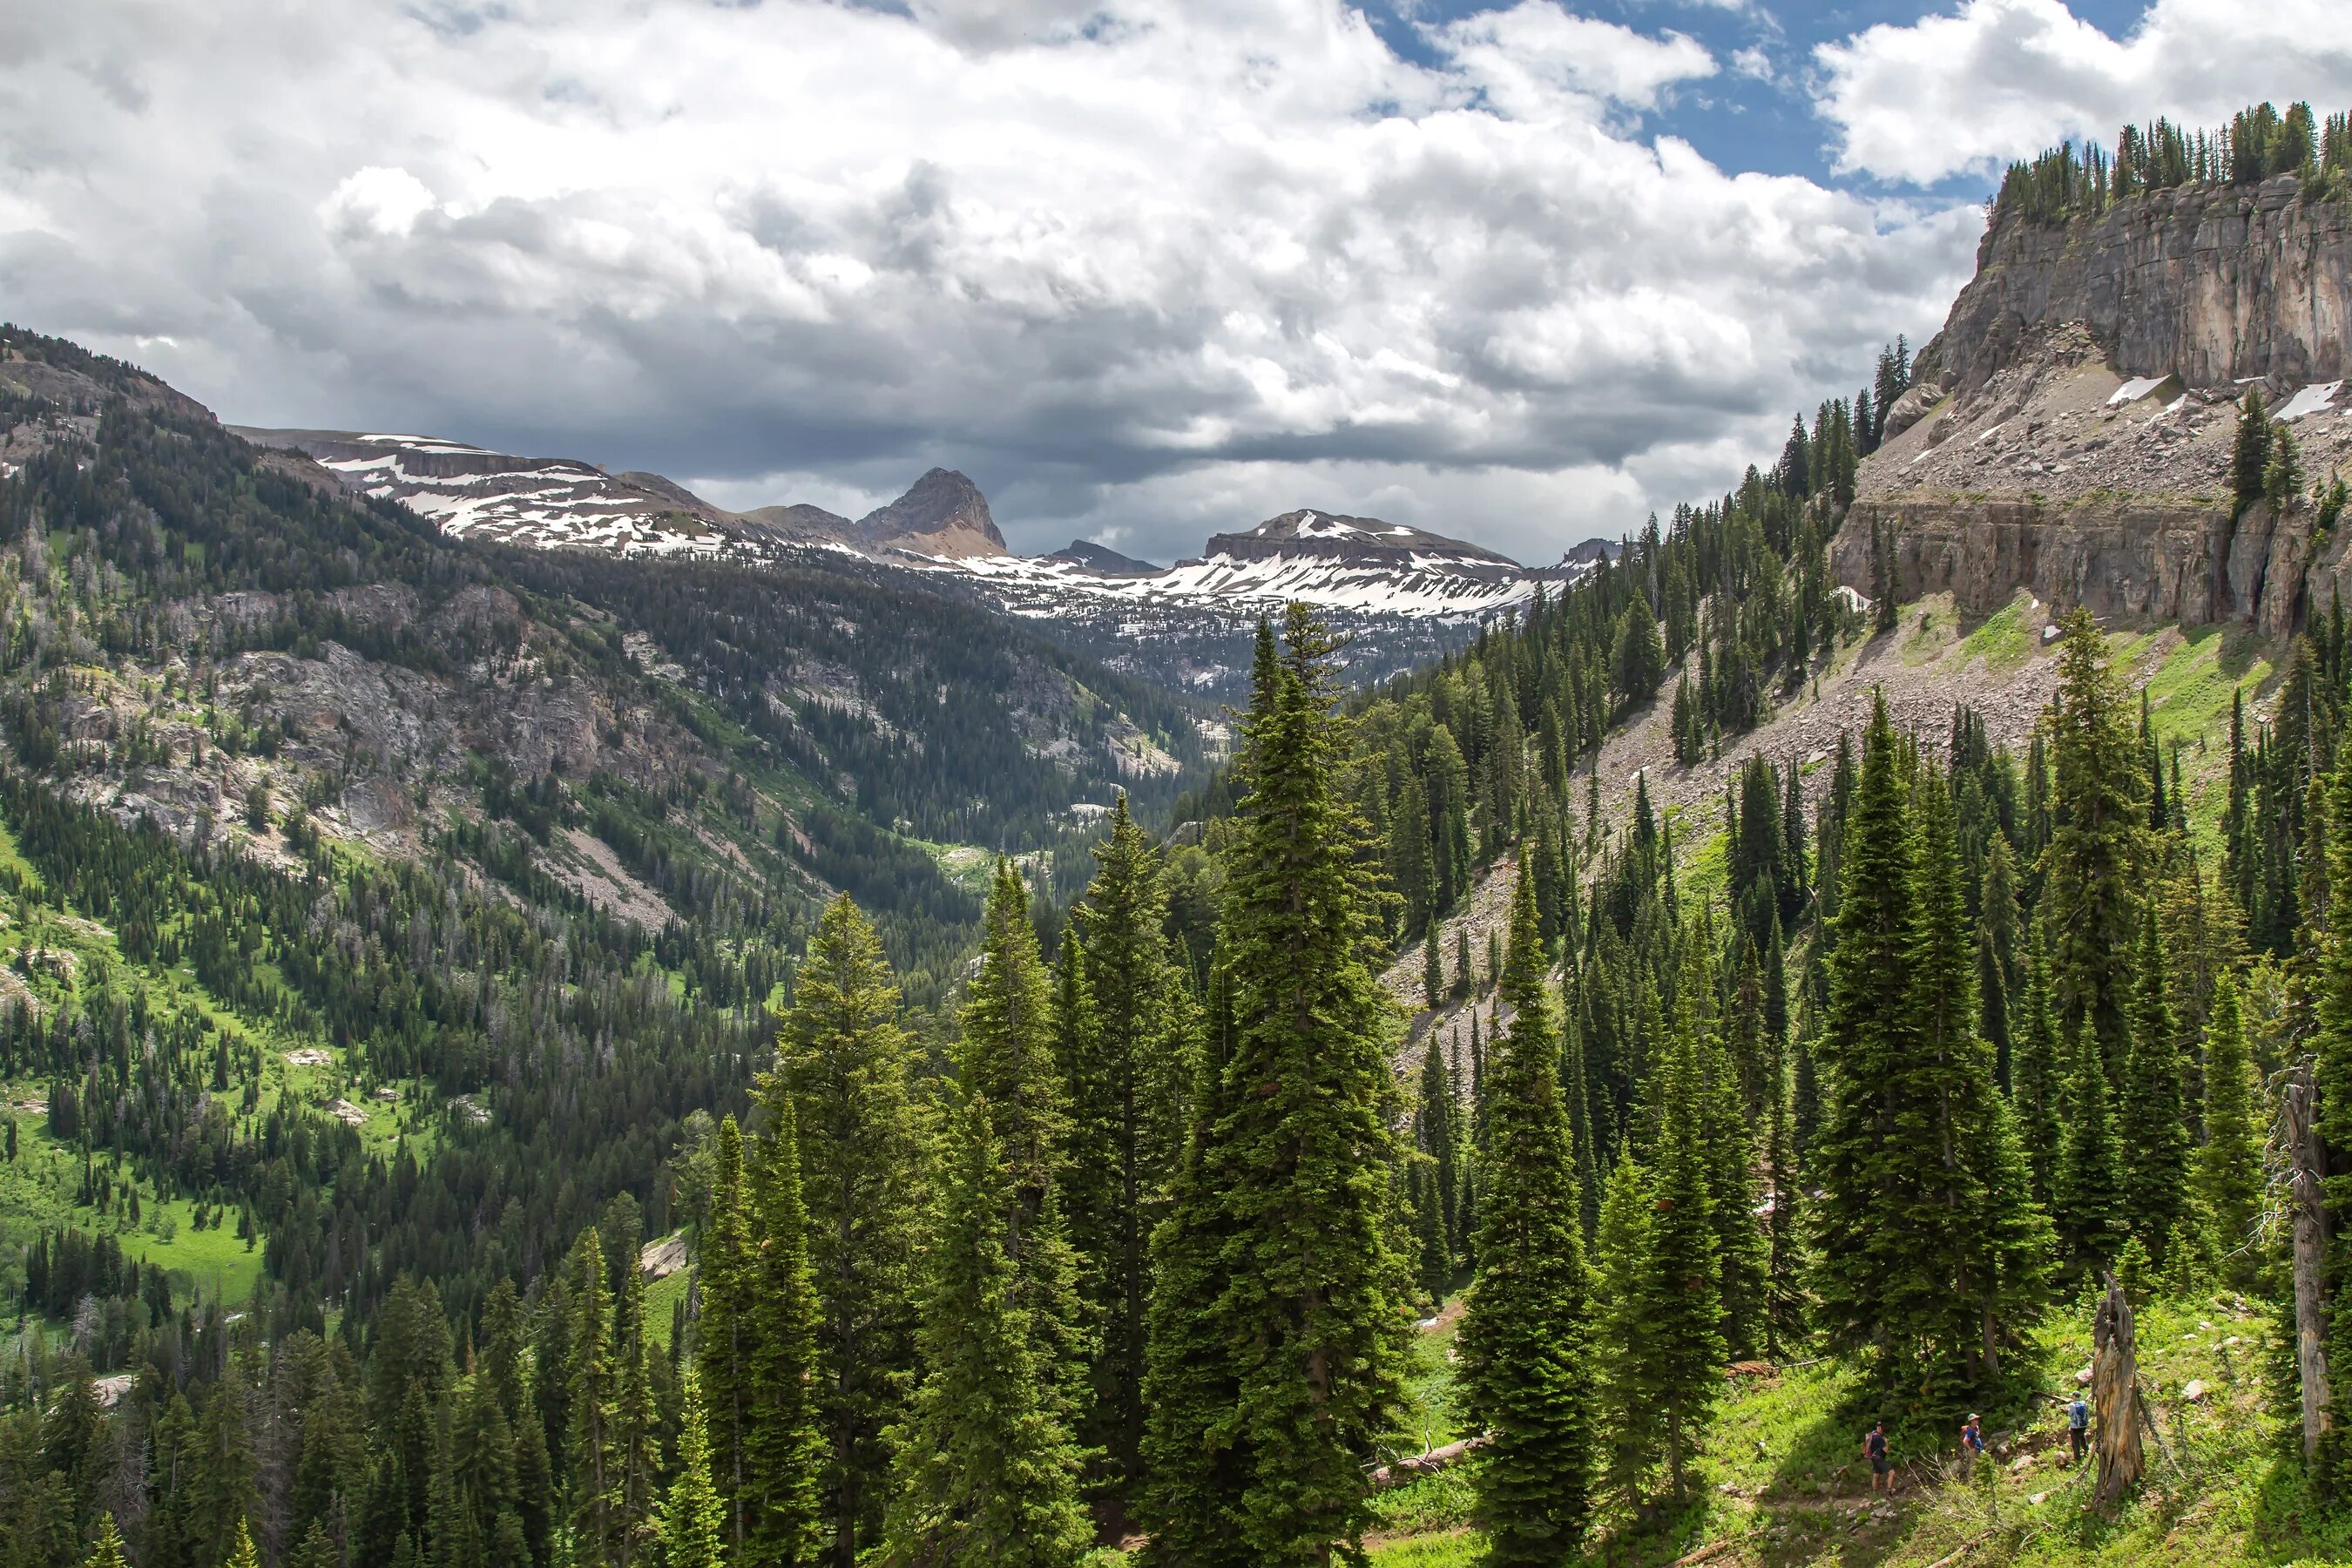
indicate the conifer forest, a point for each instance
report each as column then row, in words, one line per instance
column 1412, row 1124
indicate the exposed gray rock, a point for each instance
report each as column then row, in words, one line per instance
column 2215, row 284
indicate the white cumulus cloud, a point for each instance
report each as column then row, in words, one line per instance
column 1144, row 265
column 1992, row 80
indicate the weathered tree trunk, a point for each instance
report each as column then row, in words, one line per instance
column 2310, row 1257
column 2115, row 1399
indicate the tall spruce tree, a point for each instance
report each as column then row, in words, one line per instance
column 1314, row 1311
column 724, row 1336
column 1866, row 1034
column 1128, row 1108
column 693, row 1519
column 1434, row 1134
column 1196, row 1468
column 2087, row 1199
column 1007, row 1056
column 1686, row 1317
column 2152, row 1130
column 2037, row 1077
column 595, row 1458
column 2228, row 1171
column 783, row 1491
column 1626, row 1379
column 1524, row 1331
column 987, row 1473
column 2096, row 851
column 842, row 1062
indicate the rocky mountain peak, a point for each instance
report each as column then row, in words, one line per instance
column 1361, row 540
column 943, row 513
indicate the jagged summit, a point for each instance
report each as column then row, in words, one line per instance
column 943, row 513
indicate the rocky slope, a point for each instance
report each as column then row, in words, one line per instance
column 2070, row 431
column 714, row 729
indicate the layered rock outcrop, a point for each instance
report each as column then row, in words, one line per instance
column 2216, row 284
column 2071, row 429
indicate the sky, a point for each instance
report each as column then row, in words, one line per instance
column 1145, row 269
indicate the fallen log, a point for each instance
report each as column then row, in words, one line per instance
column 1429, row 1464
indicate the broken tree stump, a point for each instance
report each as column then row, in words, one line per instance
column 2115, row 1399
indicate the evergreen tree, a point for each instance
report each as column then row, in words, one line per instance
column 1007, row 1057
column 1625, row 1381
column 2037, row 1079
column 2096, row 855
column 2153, row 1133
column 987, row 1473
column 1434, row 1134
column 724, row 1343
column 1687, row 1314
column 785, row 1454
column 106, row 1548
column 1866, row 1034
column 1196, row 1467
column 2228, row 1169
column 842, row 1062
column 1524, row 1329
column 596, row 1460
column 693, row 1519
column 1314, row 1308
column 1129, row 1092
column 1433, row 971
column 2087, row 1199
column 2250, row 457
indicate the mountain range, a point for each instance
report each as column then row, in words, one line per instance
column 1402, row 592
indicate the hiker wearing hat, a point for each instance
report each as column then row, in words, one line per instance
column 1971, row 1447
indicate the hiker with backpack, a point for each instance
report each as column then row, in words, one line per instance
column 1881, row 1469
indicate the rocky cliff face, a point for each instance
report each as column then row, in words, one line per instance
column 2213, row 284
column 2071, row 429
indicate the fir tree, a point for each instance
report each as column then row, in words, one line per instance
column 724, row 1342
column 1128, row 1105
column 1687, row 1314
column 599, row 1516
column 2087, row 1200
column 841, row 1061
column 1625, row 1298
column 1433, row 971
column 1006, row 1058
column 2037, row 1079
column 2096, row 855
column 2229, row 1165
column 2153, row 1136
column 1524, row 1329
column 2250, row 460
column 693, row 1519
column 1433, row 1133
column 106, row 1547
column 784, row 1457
column 1196, row 1467
column 987, row 1474
column 1865, row 1037
column 1314, row 1310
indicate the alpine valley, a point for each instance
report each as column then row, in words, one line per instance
column 549, row 1023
